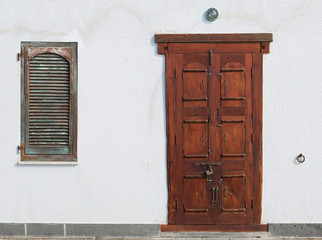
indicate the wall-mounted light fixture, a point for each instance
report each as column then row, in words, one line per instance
column 212, row 14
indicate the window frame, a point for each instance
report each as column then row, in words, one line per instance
column 67, row 50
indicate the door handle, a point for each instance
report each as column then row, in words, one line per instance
column 215, row 195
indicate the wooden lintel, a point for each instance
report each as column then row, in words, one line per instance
column 214, row 228
column 214, row 38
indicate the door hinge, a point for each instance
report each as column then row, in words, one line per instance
column 175, row 139
column 210, row 57
column 19, row 57
column 22, row 153
column 252, row 204
column 176, row 203
column 252, row 138
column 209, row 114
column 251, row 73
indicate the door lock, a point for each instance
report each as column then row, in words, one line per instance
column 209, row 171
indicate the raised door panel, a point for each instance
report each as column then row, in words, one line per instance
column 195, row 194
column 195, row 138
column 233, row 82
column 233, row 193
column 233, row 137
column 195, row 82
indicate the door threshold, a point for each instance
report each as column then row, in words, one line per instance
column 214, row 228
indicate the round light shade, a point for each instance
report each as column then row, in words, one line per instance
column 212, row 14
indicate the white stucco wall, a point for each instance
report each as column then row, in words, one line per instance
column 121, row 176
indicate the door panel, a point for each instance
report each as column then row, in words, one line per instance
column 233, row 139
column 194, row 83
column 233, row 84
column 233, row 193
column 195, row 138
column 195, row 194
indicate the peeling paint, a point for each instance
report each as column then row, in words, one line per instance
column 265, row 24
column 87, row 27
column 19, row 30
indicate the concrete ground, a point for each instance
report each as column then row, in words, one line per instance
column 162, row 238
column 179, row 236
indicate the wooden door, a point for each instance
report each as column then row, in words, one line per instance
column 214, row 132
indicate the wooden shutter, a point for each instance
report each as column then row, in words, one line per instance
column 49, row 101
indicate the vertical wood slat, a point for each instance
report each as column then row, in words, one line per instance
column 257, row 130
column 171, row 137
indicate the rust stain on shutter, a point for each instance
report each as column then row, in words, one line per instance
column 48, row 100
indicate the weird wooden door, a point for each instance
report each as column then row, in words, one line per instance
column 214, row 129
column 214, row 134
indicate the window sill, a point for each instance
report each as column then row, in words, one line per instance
column 47, row 163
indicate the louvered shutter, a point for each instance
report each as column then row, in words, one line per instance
column 49, row 113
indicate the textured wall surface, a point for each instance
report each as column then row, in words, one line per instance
column 121, row 176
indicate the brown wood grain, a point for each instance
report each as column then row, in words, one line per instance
column 203, row 48
column 171, row 137
column 214, row 38
column 257, row 130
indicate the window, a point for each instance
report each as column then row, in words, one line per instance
column 48, row 102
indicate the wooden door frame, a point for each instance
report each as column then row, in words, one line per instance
column 255, row 43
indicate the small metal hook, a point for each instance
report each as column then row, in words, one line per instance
column 300, row 158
